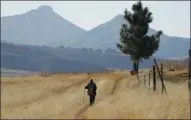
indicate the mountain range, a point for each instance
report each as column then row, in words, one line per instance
column 30, row 41
column 43, row 26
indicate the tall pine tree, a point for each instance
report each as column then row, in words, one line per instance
column 134, row 40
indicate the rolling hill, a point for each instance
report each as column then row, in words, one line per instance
column 35, row 58
column 44, row 58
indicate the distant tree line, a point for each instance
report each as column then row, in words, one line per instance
column 88, row 50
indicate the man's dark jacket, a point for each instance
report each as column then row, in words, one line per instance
column 91, row 88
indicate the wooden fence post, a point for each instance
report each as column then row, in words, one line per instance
column 189, row 72
column 162, row 76
column 137, row 78
column 149, row 78
column 144, row 80
column 162, row 82
column 154, row 78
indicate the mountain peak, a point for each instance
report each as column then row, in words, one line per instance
column 44, row 8
column 119, row 17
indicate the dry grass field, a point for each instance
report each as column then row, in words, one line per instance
column 118, row 96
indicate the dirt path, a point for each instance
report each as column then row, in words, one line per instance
column 117, row 85
column 106, row 87
column 57, row 102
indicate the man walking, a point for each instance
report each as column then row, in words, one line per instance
column 91, row 86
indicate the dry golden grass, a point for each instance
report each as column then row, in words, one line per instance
column 176, row 64
column 176, row 76
column 61, row 96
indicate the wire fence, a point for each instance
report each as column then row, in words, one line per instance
column 152, row 77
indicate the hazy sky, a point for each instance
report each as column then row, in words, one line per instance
column 173, row 17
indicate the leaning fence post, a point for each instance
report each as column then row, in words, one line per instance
column 154, row 78
column 162, row 76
